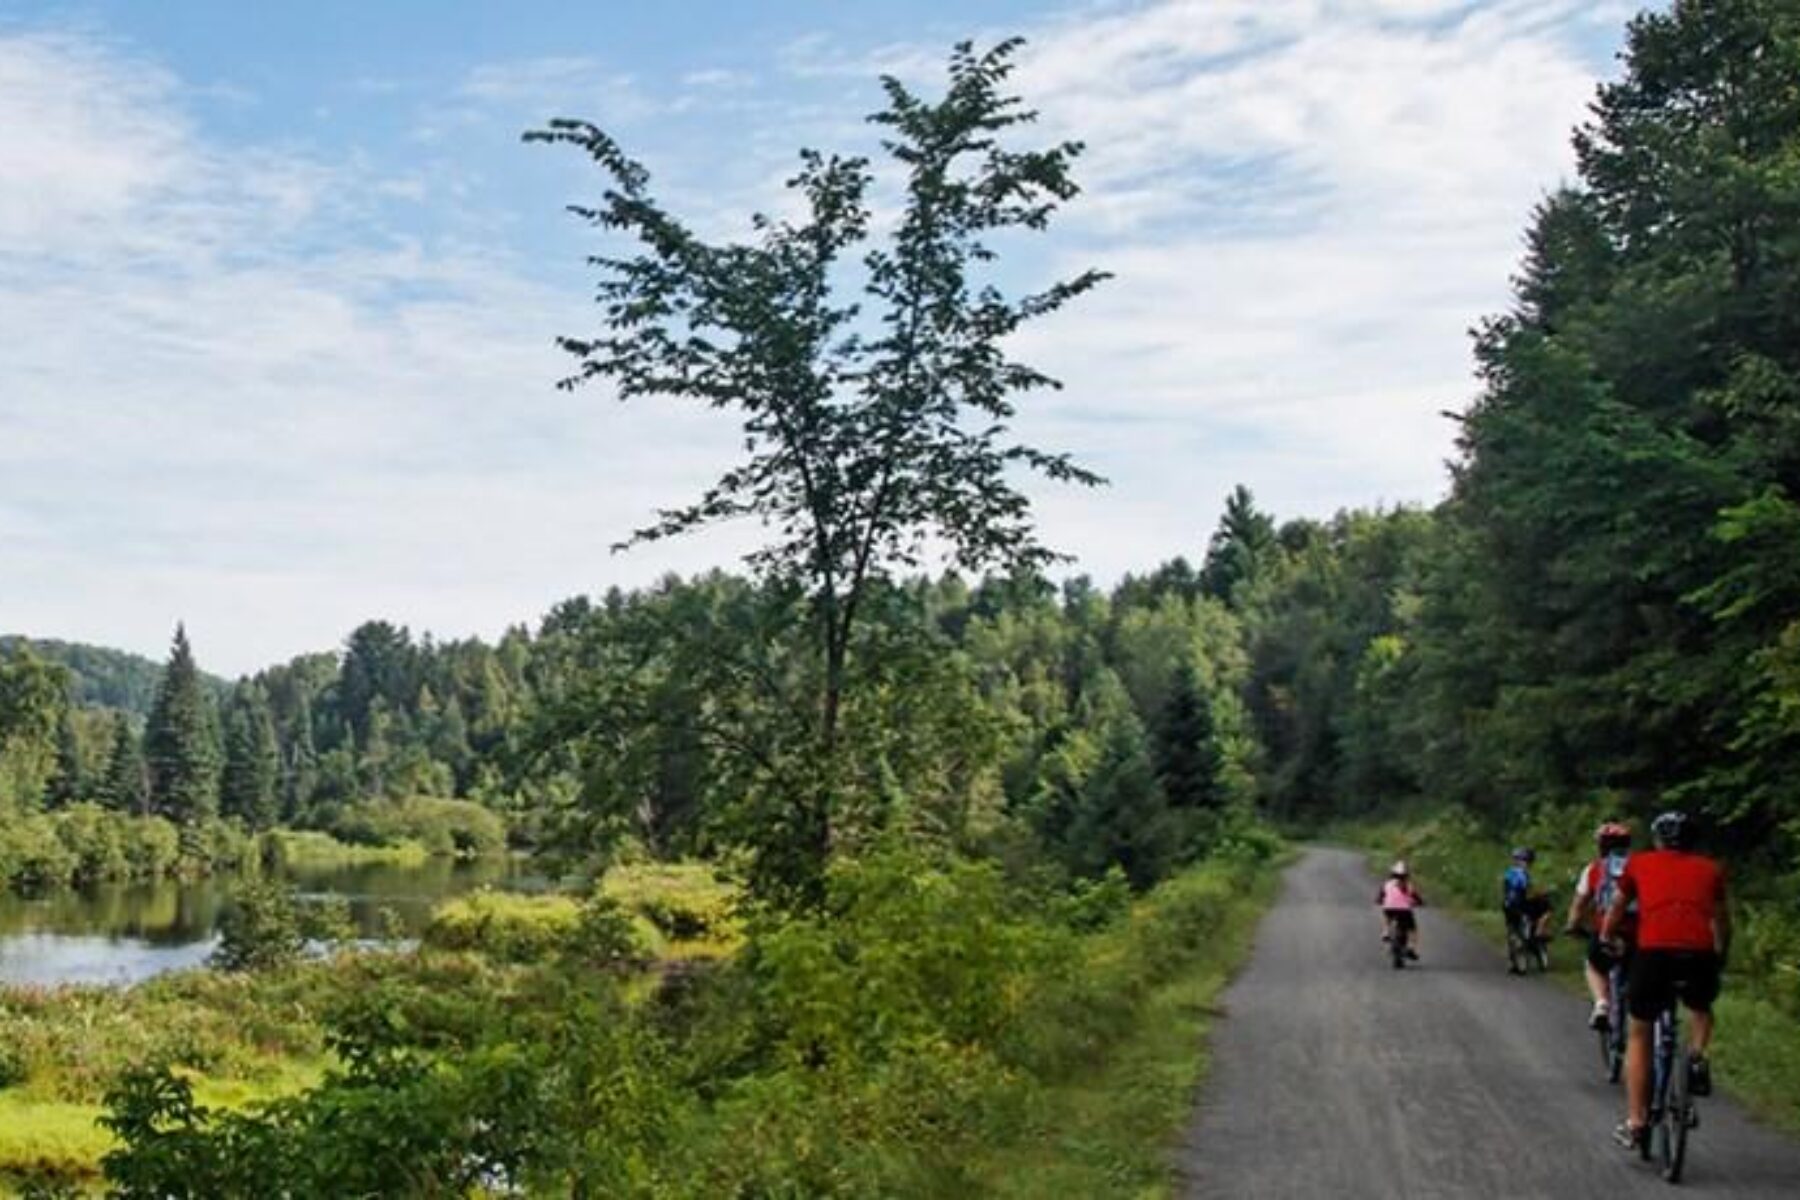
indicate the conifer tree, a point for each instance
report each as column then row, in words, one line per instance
column 300, row 763
column 1188, row 760
column 69, row 784
column 127, row 785
column 252, row 760
column 180, row 742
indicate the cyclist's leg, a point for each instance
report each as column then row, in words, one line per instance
column 1651, row 989
column 1598, row 968
column 1637, row 1073
column 1699, row 987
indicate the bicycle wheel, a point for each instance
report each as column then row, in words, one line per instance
column 1540, row 953
column 1606, row 1053
column 1677, row 1119
column 1515, row 952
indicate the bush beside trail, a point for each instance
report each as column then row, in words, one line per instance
column 931, row 1021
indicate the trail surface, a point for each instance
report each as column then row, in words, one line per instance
column 1336, row 1076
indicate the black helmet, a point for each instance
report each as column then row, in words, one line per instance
column 1674, row 829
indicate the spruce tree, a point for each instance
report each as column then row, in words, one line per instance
column 300, row 763
column 127, row 785
column 180, row 742
column 1188, row 760
column 252, row 760
column 69, row 784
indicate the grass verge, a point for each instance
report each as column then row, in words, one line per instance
column 1110, row 1128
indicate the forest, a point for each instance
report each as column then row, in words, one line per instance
column 984, row 819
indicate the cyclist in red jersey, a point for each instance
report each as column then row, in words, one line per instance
column 1683, row 936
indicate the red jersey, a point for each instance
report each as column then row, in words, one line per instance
column 1677, row 895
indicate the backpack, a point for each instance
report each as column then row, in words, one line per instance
column 1611, row 867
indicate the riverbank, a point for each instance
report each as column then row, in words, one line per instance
column 942, row 1027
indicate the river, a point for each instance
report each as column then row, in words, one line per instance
column 125, row 933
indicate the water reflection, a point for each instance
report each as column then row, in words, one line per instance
column 123, row 933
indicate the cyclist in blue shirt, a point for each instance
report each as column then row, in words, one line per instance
column 1519, row 900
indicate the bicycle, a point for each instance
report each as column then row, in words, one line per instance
column 1525, row 947
column 1672, row 1111
column 1399, row 939
column 1612, row 1035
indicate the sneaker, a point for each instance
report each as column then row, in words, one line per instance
column 1631, row 1137
column 1699, row 1076
column 1600, row 1018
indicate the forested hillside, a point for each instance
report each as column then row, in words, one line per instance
column 99, row 677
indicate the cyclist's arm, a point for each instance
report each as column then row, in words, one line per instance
column 1578, row 906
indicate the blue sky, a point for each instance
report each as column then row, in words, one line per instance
column 278, row 282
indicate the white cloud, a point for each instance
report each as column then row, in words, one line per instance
column 232, row 393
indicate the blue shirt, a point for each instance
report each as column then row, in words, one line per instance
column 1514, row 885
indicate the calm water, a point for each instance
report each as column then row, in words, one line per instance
column 121, row 934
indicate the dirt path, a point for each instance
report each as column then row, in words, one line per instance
column 1336, row 1076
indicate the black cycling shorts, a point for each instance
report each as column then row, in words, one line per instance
column 1402, row 918
column 1601, row 958
column 1658, row 977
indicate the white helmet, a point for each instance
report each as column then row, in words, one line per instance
column 1398, row 870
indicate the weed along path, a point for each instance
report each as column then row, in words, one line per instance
column 1336, row 1076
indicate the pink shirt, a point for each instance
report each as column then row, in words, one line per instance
column 1398, row 896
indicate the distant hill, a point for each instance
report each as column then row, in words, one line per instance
column 103, row 678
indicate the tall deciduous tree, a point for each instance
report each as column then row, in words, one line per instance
column 877, row 425
column 181, row 742
column 33, row 695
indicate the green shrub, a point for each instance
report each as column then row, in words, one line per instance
column 459, row 828
column 686, row 903
column 261, row 929
column 505, row 926
column 152, row 847
column 96, row 839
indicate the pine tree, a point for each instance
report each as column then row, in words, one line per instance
column 1243, row 543
column 300, row 763
column 127, row 785
column 252, row 759
column 69, row 784
column 1188, row 760
column 180, row 742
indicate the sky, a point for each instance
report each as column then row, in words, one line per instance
column 279, row 283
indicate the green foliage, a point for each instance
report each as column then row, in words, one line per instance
column 506, row 926
column 249, row 788
column 181, row 742
column 460, row 828
column 260, row 930
column 891, row 1043
column 31, row 709
column 863, row 447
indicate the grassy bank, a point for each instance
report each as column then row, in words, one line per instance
column 939, row 1032
column 1109, row 1127
column 1458, row 865
column 311, row 848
